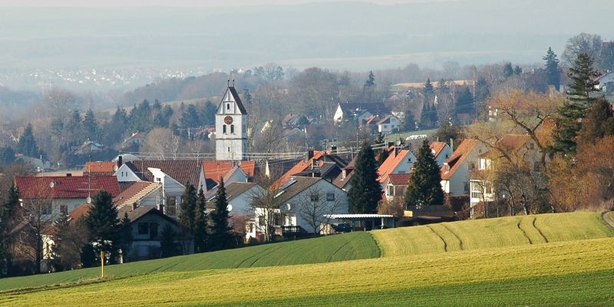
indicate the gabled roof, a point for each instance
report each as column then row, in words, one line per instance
column 232, row 95
column 136, row 192
column 299, row 185
column 236, row 189
column 67, row 187
column 376, row 108
column 216, row 169
column 437, row 148
column 80, row 211
column 393, row 160
column 135, row 214
column 385, row 120
column 513, row 142
column 99, row 168
column 183, row 171
column 399, row 179
column 301, row 166
column 457, row 158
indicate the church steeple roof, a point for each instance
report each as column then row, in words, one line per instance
column 232, row 96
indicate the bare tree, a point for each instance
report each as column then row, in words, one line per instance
column 315, row 207
column 161, row 144
column 265, row 205
column 60, row 103
column 38, row 211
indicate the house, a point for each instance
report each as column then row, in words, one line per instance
column 240, row 197
column 62, row 194
column 400, row 161
column 303, row 203
column 342, row 180
column 87, row 148
column 134, row 141
column 148, row 227
column 441, row 152
column 212, row 171
column 355, row 111
column 388, row 124
column 141, row 193
column 518, row 149
column 316, row 164
column 98, row 168
column 396, row 185
column 455, row 171
column 605, row 82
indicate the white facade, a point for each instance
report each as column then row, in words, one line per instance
column 171, row 191
column 231, row 128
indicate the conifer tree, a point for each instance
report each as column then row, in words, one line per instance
column 104, row 225
column 220, row 236
column 583, row 80
column 187, row 216
column 27, row 143
column 553, row 71
column 424, row 187
column 8, row 219
column 200, row 223
column 365, row 191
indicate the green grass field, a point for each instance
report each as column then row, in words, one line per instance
column 543, row 260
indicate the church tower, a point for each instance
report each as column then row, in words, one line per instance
column 231, row 127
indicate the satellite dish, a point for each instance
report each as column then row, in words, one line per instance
column 88, row 200
column 229, row 207
column 288, row 206
column 51, row 184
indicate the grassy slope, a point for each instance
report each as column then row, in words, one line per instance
column 415, row 270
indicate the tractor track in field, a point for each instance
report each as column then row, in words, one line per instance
column 607, row 219
column 258, row 256
column 336, row 251
column 524, row 232
column 445, row 244
column 539, row 230
column 460, row 242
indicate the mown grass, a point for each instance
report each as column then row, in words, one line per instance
column 358, row 245
column 490, row 262
column 574, row 273
column 492, row 233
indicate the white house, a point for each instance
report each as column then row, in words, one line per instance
column 455, row 171
column 303, row 206
column 388, row 124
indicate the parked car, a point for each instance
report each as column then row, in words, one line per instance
column 343, row 227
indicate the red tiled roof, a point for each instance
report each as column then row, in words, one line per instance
column 100, row 167
column 216, row 169
column 400, row 179
column 437, row 148
column 391, row 163
column 297, row 168
column 55, row 187
column 80, row 211
column 457, row 158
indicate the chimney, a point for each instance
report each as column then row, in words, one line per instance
column 120, row 161
column 309, row 154
column 333, row 149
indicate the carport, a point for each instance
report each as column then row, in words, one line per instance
column 365, row 221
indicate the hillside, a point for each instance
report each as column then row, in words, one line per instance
column 491, row 262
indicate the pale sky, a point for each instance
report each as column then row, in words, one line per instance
column 177, row 3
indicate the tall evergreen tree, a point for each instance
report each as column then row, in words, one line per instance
column 464, row 102
column 583, row 80
column 553, row 71
column 482, row 90
column 425, row 182
column 508, row 70
column 568, row 120
column 220, row 236
column 428, row 88
column 200, row 223
column 365, row 191
column 27, row 143
column 104, row 225
column 90, row 125
column 187, row 215
column 8, row 219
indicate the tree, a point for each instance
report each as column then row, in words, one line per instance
column 449, row 133
column 161, row 144
column 553, row 71
column 90, row 125
column 104, row 226
column 9, row 213
column 598, row 123
column 220, row 237
column 589, row 44
column 60, row 102
column 508, row 71
column 482, row 90
column 464, row 102
column 365, row 191
column 368, row 90
column 265, row 205
column 316, row 206
column 125, row 239
column 167, row 242
column 200, row 223
column 424, row 187
column 187, row 215
column 27, row 143
column 583, row 80
column 71, row 236
column 190, row 117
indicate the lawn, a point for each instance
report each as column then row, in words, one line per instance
column 541, row 260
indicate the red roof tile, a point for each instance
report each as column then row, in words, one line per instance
column 297, row 168
column 99, row 168
column 437, row 148
column 183, row 171
column 217, row 169
column 457, row 158
column 55, row 187
column 391, row 163
column 399, row 179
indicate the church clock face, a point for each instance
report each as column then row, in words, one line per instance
column 228, row 120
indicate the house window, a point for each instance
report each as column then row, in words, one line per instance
column 228, row 149
column 315, row 197
column 153, row 230
column 46, row 208
column 330, row 196
column 277, row 219
column 261, row 221
column 228, row 106
column 232, row 129
column 224, row 129
column 391, row 190
column 143, row 229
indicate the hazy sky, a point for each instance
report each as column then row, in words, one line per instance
column 176, row 3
